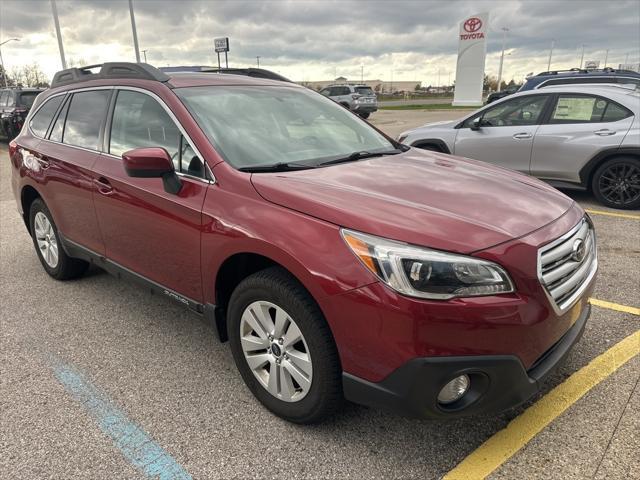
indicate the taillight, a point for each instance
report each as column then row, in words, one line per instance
column 20, row 110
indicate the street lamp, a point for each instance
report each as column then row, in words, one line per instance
column 4, row 72
column 504, row 43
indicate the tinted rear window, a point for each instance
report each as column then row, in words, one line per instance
column 42, row 119
column 86, row 115
column 26, row 99
column 364, row 90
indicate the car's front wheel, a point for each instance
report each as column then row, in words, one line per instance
column 48, row 247
column 283, row 347
column 616, row 183
column 364, row 114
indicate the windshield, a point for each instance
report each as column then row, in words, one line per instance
column 259, row 126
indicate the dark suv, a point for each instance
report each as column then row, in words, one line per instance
column 15, row 104
column 577, row 76
column 338, row 262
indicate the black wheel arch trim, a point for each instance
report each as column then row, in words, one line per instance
column 594, row 163
column 432, row 141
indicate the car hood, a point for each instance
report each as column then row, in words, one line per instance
column 445, row 123
column 419, row 197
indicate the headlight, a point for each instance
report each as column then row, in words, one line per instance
column 421, row 272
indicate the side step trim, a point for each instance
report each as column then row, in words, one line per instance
column 212, row 314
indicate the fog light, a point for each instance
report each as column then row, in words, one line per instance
column 454, row 390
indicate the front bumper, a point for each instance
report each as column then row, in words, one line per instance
column 498, row 382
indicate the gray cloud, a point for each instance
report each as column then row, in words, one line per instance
column 311, row 38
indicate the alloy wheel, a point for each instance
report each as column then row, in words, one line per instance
column 620, row 183
column 46, row 238
column 276, row 351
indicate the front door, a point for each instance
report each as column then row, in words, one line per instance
column 145, row 229
column 503, row 134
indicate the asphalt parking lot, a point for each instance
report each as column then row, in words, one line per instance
column 100, row 379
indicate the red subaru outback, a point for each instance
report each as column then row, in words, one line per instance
column 339, row 263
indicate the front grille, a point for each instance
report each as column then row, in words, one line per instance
column 563, row 272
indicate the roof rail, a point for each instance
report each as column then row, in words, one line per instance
column 555, row 72
column 249, row 72
column 108, row 70
column 583, row 70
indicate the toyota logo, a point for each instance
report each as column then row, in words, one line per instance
column 473, row 24
column 579, row 251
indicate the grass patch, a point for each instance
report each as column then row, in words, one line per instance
column 426, row 106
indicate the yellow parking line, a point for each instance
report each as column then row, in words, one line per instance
column 614, row 306
column 504, row 444
column 611, row 214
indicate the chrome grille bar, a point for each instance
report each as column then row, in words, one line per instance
column 563, row 271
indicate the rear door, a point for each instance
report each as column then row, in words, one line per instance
column 506, row 132
column 579, row 126
column 66, row 156
column 145, row 229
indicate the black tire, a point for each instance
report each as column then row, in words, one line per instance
column 616, row 183
column 364, row 114
column 277, row 286
column 66, row 267
column 345, row 105
column 429, row 146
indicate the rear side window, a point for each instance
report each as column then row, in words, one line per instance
column 586, row 109
column 42, row 119
column 85, row 118
column 58, row 126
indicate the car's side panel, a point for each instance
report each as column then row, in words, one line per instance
column 560, row 151
column 68, row 191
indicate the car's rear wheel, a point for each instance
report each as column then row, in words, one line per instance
column 48, row 247
column 283, row 348
column 364, row 114
column 616, row 183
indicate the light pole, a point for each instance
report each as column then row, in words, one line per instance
column 144, row 53
column 582, row 56
column 504, row 44
column 550, row 54
column 361, row 73
column 134, row 31
column 258, row 60
column 54, row 10
column 606, row 57
column 4, row 72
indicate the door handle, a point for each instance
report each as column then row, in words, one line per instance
column 605, row 132
column 522, row 135
column 104, row 187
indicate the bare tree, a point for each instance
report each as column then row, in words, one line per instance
column 28, row 76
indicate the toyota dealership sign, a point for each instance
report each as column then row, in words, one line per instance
column 472, row 50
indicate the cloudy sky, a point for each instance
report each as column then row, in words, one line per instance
column 320, row 39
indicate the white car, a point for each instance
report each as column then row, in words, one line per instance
column 572, row 136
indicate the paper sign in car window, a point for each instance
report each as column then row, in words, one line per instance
column 574, row 108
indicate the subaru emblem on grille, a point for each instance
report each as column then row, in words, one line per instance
column 578, row 252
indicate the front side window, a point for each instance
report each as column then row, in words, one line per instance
column 140, row 121
column 586, row 109
column 520, row 111
column 42, row 119
column 262, row 126
column 86, row 115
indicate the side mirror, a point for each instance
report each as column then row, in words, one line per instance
column 152, row 162
column 475, row 124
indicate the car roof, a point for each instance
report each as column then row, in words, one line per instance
column 186, row 79
column 624, row 94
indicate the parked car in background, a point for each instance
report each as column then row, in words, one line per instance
column 572, row 136
column 577, row 76
column 502, row 93
column 360, row 99
column 15, row 104
column 338, row 262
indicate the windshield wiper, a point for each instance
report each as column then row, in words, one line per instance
column 276, row 167
column 359, row 156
